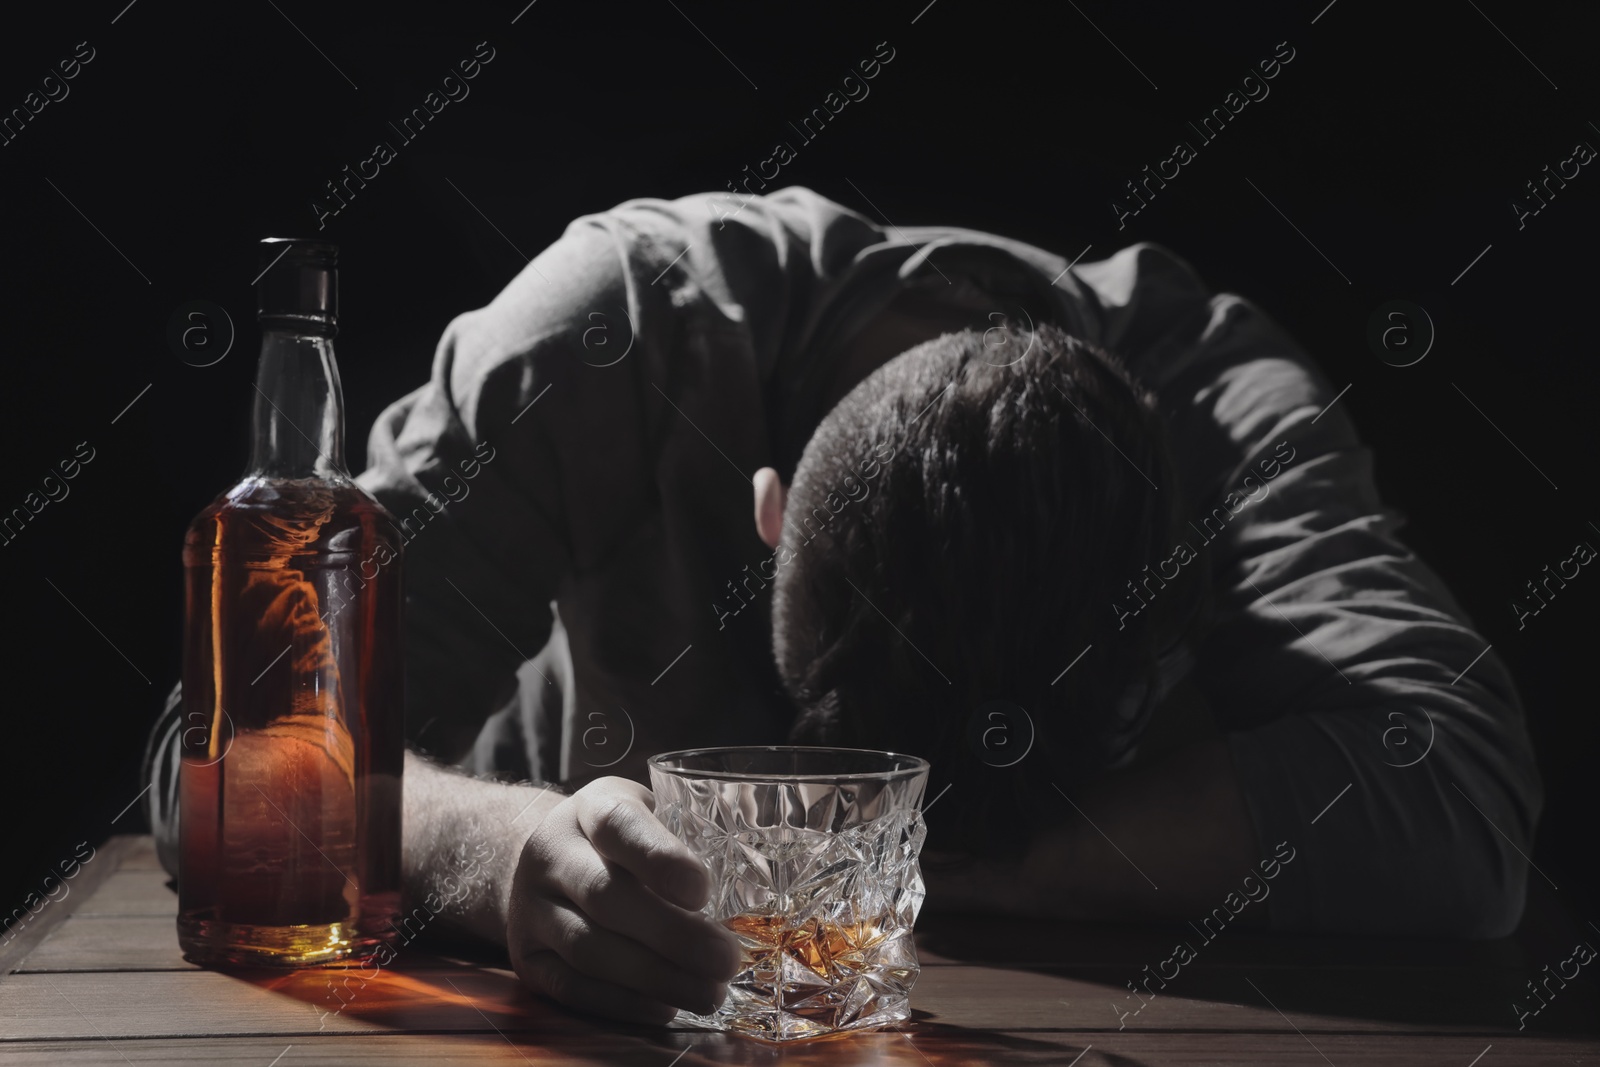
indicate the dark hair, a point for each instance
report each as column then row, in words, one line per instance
column 957, row 531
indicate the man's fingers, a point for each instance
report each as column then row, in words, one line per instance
column 548, row 973
column 619, row 821
column 612, row 957
column 617, row 901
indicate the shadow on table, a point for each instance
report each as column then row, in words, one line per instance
column 1390, row 982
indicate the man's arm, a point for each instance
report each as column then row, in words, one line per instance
column 1369, row 731
column 1369, row 726
column 596, row 903
column 462, row 838
column 1166, row 839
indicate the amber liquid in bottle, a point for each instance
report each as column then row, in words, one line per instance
column 289, row 791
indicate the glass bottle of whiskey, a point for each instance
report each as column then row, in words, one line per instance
column 289, row 790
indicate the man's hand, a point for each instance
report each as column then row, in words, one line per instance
column 604, row 911
column 596, row 903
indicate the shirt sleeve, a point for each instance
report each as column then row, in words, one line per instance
column 477, row 468
column 159, row 770
column 1371, row 726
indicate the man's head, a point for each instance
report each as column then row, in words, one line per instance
column 957, row 531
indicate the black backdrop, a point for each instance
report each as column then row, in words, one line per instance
column 1385, row 159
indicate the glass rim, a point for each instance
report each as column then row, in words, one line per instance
column 914, row 765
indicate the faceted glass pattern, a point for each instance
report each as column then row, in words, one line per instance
column 813, row 859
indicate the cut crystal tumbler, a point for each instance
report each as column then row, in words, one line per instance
column 813, row 861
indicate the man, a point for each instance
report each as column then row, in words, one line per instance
column 1099, row 502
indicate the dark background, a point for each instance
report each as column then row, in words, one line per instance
column 1395, row 140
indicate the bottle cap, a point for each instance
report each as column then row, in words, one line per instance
column 299, row 285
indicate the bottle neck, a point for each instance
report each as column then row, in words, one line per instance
column 298, row 423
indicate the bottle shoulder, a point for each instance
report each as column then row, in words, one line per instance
column 273, row 516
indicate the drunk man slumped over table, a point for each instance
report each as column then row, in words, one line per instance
column 1119, row 509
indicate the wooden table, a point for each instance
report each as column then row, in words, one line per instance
column 97, row 978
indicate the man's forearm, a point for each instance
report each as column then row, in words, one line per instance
column 1164, row 840
column 463, row 836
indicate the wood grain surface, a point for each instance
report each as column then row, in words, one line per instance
column 96, row 977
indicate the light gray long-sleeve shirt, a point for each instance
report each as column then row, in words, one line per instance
column 627, row 384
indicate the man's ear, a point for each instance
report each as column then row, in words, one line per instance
column 770, row 496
